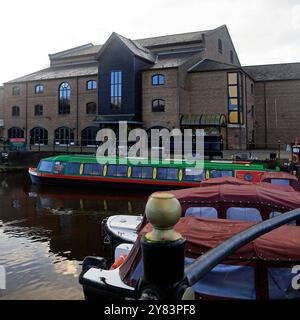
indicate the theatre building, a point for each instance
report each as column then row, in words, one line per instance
column 191, row 80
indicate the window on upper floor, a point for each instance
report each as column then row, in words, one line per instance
column 116, row 89
column 91, row 108
column 64, row 98
column 220, row 46
column 158, row 105
column 235, row 97
column 158, row 80
column 16, row 91
column 38, row 110
column 252, row 88
column 39, row 88
column 91, row 85
column 231, row 57
column 15, row 111
column 252, row 111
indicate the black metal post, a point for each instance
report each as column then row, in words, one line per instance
column 162, row 251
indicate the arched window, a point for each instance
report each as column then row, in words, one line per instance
column 15, row 132
column 158, row 80
column 64, row 98
column 158, row 105
column 38, row 110
column 15, row 111
column 38, row 135
column 39, row 88
column 91, row 85
column 91, row 108
column 88, row 136
column 64, row 136
column 16, row 91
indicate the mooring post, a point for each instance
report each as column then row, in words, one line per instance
column 162, row 251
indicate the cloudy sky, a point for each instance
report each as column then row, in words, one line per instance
column 263, row 31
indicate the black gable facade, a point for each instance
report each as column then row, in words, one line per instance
column 120, row 63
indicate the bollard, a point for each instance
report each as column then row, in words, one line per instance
column 162, row 251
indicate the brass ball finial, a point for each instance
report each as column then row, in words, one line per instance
column 163, row 211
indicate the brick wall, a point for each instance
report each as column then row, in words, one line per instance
column 168, row 92
column 50, row 119
column 277, row 112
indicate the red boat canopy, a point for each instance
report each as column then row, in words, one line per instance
column 239, row 193
column 272, row 177
column 278, row 246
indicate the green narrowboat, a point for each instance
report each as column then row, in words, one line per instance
column 89, row 170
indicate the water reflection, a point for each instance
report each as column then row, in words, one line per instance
column 46, row 232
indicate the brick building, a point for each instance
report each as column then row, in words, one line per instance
column 191, row 80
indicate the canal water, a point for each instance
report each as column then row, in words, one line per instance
column 45, row 233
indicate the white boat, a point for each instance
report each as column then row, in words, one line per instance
column 121, row 229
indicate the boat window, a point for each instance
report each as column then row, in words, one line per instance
column 280, row 283
column 74, row 168
column 283, row 182
column 93, row 169
column 203, row 212
column 227, row 281
column 142, row 172
column 46, row 166
column 191, row 174
column 167, row 173
column 243, row 214
column 221, row 173
column 117, row 170
column 59, row 167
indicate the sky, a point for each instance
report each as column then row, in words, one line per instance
column 263, row 31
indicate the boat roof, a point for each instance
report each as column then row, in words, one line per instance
column 208, row 164
column 232, row 190
column 279, row 245
column 278, row 175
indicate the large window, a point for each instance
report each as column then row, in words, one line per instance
column 16, row 91
column 38, row 135
column 91, row 85
column 15, row 111
column 39, row 88
column 93, row 169
column 15, row 132
column 91, row 108
column 158, row 80
column 116, row 89
column 64, row 136
column 46, row 166
column 220, row 46
column 38, row 110
column 231, row 57
column 192, row 174
column 158, row 105
column 64, row 98
column 235, row 98
column 167, row 173
column 88, row 136
column 117, row 170
column 142, row 172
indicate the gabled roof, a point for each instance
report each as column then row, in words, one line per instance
column 85, row 49
column 172, row 60
column 211, row 65
column 173, row 39
column 272, row 72
column 59, row 72
column 136, row 48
